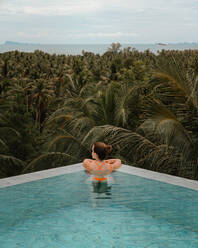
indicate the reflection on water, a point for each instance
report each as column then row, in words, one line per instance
column 102, row 190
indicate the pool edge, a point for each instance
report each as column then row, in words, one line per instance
column 29, row 177
column 162, row 177
column 179, row 181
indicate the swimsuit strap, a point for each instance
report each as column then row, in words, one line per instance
column 100, row 166
column 100, row 179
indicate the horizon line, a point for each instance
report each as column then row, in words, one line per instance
column 124, row 43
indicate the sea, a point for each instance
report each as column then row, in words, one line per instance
column 76, row 49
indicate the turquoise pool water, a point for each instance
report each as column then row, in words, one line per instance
column 63, row 212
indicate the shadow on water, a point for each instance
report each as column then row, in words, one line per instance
column 102, row 190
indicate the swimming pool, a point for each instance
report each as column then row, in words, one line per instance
column 62, row 211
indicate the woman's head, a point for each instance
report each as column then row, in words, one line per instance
column 100, row 150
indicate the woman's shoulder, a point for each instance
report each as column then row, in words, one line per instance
column 87, row 160
column 107, row 161
column 113, row 160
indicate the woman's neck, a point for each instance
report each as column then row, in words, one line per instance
column 98, row 160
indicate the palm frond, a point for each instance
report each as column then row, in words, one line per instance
column 163, row 125
column 124, row 100
column 3, row 119
column 10, row 166
column 9, row 134
column 131, row 144
column 3, row 147
column 50, row 160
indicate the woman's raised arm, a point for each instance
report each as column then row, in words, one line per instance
column 116, row 163
column 87, row 163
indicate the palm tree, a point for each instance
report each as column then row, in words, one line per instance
column 115, row 47
column 41, row 97
column 170, row 110
column 9, row 165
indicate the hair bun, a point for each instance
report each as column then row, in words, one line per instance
column 108, row 148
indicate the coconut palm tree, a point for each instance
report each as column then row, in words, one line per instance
column 170, row 110
column 9, row 165
column 41, row 96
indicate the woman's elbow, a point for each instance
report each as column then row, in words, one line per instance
column 85, row 162
column 119, row 163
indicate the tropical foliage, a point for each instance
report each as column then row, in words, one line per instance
column 53, row 107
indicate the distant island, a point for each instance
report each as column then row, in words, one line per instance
column 162, row 44
column 14, row 43
column 76, row 49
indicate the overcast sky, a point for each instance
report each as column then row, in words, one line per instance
column 98, row 21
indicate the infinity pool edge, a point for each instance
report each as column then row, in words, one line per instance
column 29, row 177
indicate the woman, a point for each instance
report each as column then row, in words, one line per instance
column 99, row 167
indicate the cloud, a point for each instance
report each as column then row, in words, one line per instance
column 101, row 35
column 78, row 7
column 133, row 6
column 67, row 37
column 70, row 7
column 51, row 9
column 103, row 21
column 40, row 34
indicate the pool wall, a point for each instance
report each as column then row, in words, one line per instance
column 187, row 183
